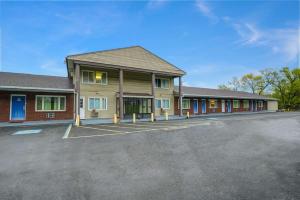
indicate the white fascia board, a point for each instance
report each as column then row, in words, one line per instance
column 18, row 88
column 232, row 97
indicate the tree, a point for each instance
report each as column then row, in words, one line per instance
column 286, row 86
column 251, row 82
column 234, row 85
column 264, row 84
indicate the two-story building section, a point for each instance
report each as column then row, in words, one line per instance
column 123, row 81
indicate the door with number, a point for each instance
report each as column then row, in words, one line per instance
column 195, row 106
column 17, row 107
column 223, row 105
column 203, row 106
column 82, row 108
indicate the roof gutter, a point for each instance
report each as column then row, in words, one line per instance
column 197, row 95
column 93, row 64
column 18, row 88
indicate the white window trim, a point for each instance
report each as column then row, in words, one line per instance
column 244, row 104
column 94, row 75
column 161, row 104
column 216, row 103
column 97, row 98
column 36, row 110
column 238, row 104
column 161, row 83
column 182, row 103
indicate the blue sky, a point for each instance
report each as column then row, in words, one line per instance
column 211, row 40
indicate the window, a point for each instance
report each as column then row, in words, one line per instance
column 246, row 104
column 165, row 103
column 162, row 83
column 260, row 104
column 101, row 77
column 158, row 83
column 185, row 104
column 213, row 103
column 236, row 103
column 50, row 103
column 157, row 103
column 91, row 77
column 162, row 103
column 97, row 103
column 88, row 77
column 165, row 83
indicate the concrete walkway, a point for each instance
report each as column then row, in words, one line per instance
column 35, row 123
column 171, row 117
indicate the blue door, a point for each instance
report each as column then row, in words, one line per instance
column 203, row 105
column 228, row 106
column 195, row 106
column 17, row 107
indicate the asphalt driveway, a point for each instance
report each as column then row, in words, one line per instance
column 238, row 157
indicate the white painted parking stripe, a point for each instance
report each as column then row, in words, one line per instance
column 117, row 126
column 66, row 135
column 100, row 129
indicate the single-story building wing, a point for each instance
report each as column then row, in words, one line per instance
column 28, row 97
column 205, row 100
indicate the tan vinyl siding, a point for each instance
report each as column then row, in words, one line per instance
column 133, row 83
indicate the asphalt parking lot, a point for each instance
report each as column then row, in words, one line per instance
column 232, row 157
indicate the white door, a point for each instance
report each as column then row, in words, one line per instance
column 82, row 110
column 223, row 106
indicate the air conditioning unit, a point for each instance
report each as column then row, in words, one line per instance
column 50, row 115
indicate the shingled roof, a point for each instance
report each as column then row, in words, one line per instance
column 218, row 93
column 31, row 82
column 135, row 57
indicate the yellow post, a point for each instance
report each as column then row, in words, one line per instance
column 115, row 119
column 166, row 115
column 77, row 121
column 133, row 118
column 152, row 117
column 188, row 114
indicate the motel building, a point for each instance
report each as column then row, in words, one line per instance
column 116, row 84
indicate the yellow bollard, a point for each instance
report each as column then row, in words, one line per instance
column 152, row 117
column 188, row 114
column 77, row 121
column 115, row 120
column 133, row 118
column 166, row 115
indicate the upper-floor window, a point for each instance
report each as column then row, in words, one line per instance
column 162, row 83
column 94, row 77
column 236, row 103
column 50, row 103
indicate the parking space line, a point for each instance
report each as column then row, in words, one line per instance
column 117, row 126
column 100, row 129
column 66, row 135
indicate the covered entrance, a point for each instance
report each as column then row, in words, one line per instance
column 140, row 106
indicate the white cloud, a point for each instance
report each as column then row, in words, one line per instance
column 284, row 41
column 206, row 10
column 52, row 67
column 248, row 32
column 154, row 4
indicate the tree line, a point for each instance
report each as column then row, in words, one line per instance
column 282, row 84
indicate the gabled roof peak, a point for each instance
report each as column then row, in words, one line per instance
column 133, row 57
